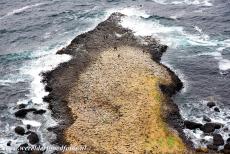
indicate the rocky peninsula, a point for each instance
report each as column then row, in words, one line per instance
column 114, row 95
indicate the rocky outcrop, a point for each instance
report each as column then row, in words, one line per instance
column 89, row 51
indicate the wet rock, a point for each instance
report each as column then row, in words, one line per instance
column 228, row 140
column 19, row 130
column 212, row 147
column 192, row 125
column 227, row 149
column 207, row 119
column 48, row 88
column 23, row 112
column 210, row 127
column 216, row 109
column 28, row 132
column 28, row 126
column 211, row 104
column 33, row 138
column 21, row 106
column 30, row 102
column 39, row 111
column 48, row 98
column 218, row 140
column 9, row 143
column 226, row 129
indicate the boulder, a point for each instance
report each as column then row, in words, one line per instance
column 39, row 111
column 228, row 140
column 227, row 149
column 216, row 109
column 19, row 130
column 33, row 138
column 192, row 125
column 23, row 112
column 28, row 126
column 211, row 104
column 21, row 106
column 207, row 119
column 212, row 147
column 210, row 127
column 218, row 140
column 48, row 88
column 9, row 143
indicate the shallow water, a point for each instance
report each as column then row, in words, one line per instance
column 196, row 31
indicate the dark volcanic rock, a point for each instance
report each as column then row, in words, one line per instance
column 39, row 111
column 23, row 112
column 9, row 143
column 48, row 88
column 21, row 106
column 211, row 104
column 28, row 126
column 192, row 125
column 228, row 140
column 19, row 130
column 212, row 147
column 216, row 109
column 210, row 127
column 33, row 138
column 207, row 119
column 227, row 148
column 218, row 140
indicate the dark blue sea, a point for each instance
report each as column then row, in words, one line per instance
column 197, row 33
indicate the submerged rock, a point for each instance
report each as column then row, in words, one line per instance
column 19, row 130
column 192, row 125
column 210, row 127
column 207, row 119
column 211, row 104
column 216, row 109
column 218, row 140
column 33, row 138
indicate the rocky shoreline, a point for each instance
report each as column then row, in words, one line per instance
column 85, row 50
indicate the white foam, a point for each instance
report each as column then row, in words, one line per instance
column 184, row 2
column 19, row 10
column 214, row 54
column 32, row 123
column 130, row 11
column 224, row 64
column 175, row 36
column 34, row 69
